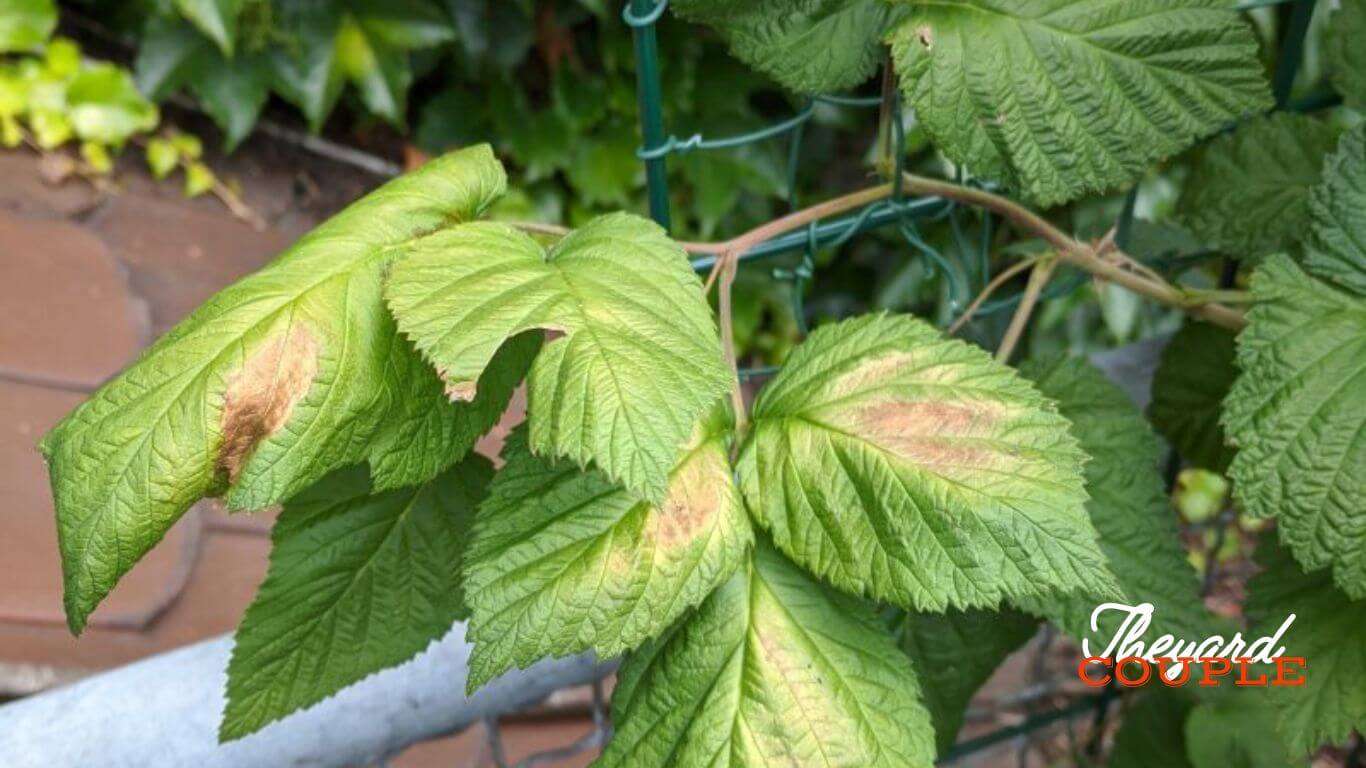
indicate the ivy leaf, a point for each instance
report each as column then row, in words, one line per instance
column 639, row 361
column 564, row 561
column 1298, row 416
column 899, row 464
column 358, row 582
column 806, row 46
column 1129, row 508
column 279, row 379
column 307, row 75
column 1062, row 98
column 1337, row 252
column 954, row 653
column 104, row 106
column 217, row 19
column 773, row 669
column 1345, row 54
column 1327, row 632
column 1248, row 194
column 26, row 24
column 1192, row 379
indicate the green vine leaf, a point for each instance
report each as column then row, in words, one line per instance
column 26, row 24
column 639, row 361
column 279, row 379
column 1193, row 378
column 773, row 669
column 1153, row 732
column 563, row 561
column 358, row 582
column 1129, row 507
column 1061, row 98
column 217, row 19
column 1327, row 633
column 1248, row 194
column 1345, row 54
column 806, row 46
column 954, row 653
column 104, row 106
column 1337, row 252
column 898, row 464
column 1298, row 416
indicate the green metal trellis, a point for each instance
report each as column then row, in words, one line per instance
column 642, row 16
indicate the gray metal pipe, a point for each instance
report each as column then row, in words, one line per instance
column 163, row 712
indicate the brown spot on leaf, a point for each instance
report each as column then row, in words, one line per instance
column 925, row 35
column 696, row 495
column 461, row 391
column 930, row 432
column 260, row 397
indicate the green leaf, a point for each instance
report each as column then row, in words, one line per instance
column 1248, row 194
column 162, row 157
column 1193, row 377
column 1298, row 416
column 404, row 24
column 279, row 379
column 308, row 75
column 1327, row 633
column 1346, row 56
column 1139, row 534
column 358, row 582
column 1337, row 251
column 637, row 365
column 808, row 46
column 899, row 464
column 26, row 24
column 1062, row 98
column 773, row 669
column 954, row 653
column 1153, row 732
column 104, row 105
column 1236, row 730
column 217, row 19
column 564, row 561
column 165, row 54
column 233, row 92
column 380, row 72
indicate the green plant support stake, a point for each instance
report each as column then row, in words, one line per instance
column 641, row 16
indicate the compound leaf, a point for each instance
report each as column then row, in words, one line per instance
column 1346, row 56
column 1327, row 633
column 638, row 363
column 1061, row 98
column 1298, row 416
column 808, row 46
column 279, row 379
column 1337, row 250
column 1248, row 194
column 899, row 464
column 358, row 582
column 954, row 653
column 1192, row 379
column 773, row 669
column 563, row 561
column 1128, row 506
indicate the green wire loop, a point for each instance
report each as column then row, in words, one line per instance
column 629, row 16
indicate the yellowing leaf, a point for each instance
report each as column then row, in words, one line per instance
column 899, row 464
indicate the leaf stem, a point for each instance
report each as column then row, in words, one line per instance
column 1038, row 278
column 992, row 287
column 728, row 267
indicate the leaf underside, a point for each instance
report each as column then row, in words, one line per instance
column 898, row 464
column 358, row 582
column 1298, row 416
column 279, row 379
column 638, row 362
column 773, row 669
column 1062, row 98
column 563, row 561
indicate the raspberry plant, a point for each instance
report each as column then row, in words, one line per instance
column 824, row 577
